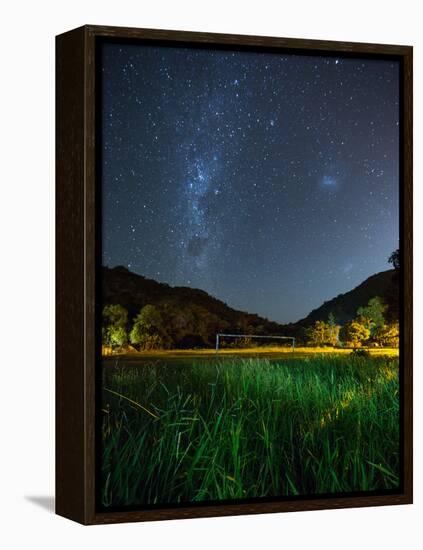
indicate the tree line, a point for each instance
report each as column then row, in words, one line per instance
column 155, row 328
column 162, row 326
column 180, row 324
column 368, row 328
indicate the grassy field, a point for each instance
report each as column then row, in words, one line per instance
column 272, row 351
column 232, row 427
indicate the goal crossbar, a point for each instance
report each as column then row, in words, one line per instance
column 224, row 335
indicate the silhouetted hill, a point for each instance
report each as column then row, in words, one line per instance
column 344, row 307
column 193, row 317
column 121, row 286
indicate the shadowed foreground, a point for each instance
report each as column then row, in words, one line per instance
column 240, row 428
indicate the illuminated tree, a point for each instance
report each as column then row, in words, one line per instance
column 323, row 334
column 115, row 320
column 388, row 335
column 332, row 330
column 117, row 337
column 148, row 330
column 354, row 333
column 373, row 313
column 317, row 334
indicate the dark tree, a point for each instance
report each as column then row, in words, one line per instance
column 392, row 294
column 394, row 259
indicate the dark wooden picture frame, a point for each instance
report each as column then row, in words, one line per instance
column 77, row 219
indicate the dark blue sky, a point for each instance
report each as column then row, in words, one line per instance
column 270, row 181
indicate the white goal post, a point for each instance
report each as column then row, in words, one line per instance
column 221, row 334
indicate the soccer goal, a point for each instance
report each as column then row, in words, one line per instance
column 220, row 335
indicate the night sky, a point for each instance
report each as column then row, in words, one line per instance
column 269, row 181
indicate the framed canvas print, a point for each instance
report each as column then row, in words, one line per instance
column 234, row 274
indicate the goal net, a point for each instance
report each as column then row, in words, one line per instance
column 245, row 340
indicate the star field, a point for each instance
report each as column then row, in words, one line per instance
column 269, row 181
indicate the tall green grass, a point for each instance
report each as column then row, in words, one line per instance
column 249, row 428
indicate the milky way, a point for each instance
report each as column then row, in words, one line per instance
column 270, row 181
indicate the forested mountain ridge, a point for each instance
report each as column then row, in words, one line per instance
column 344, row 306
column 193, row 310
column 190, row 317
